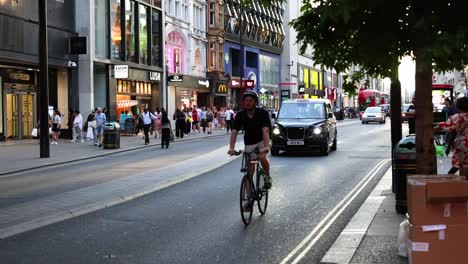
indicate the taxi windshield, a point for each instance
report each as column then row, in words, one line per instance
column 302, row 111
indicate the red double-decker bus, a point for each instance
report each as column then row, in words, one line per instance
column 369, row 98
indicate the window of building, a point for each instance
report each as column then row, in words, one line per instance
column 101, row 33
column 116, row 30
column 130, row 30
column 177, row 8
column 143, row 33
column 185, row 7
column 156, row 50
column 169, row 9
column 212, row 14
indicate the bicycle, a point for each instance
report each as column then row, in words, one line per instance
column 252, row 191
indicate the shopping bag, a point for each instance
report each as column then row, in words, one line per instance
column 171, row 138
column 403, row 236
column 89, row 133
column 34, row 132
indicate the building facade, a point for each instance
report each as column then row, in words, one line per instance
column 185, row 54
column 254, row 38
column 123, row 69
column 19, row 63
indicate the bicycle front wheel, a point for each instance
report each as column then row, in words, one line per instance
column 262, row 192
column 246, row 200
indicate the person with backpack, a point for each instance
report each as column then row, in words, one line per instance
column 147, row 118
column 165, row 129
column 179, row 117
column 229, row 115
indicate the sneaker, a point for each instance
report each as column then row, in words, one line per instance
column 267, row 180
column 72, row 141
column 96, row 144
column 81, row 141
column 100, row 145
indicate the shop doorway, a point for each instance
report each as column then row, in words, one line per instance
column 20, row 109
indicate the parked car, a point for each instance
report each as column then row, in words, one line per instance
column 404, row 109
column 373, row 114
column 304, row 125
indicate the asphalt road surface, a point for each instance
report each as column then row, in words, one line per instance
column 198, row 220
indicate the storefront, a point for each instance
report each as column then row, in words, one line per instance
column 312, row 82
column 220, row 93
column 269, row 80
column 19, row 99
column 140, row 90
column 186, row 91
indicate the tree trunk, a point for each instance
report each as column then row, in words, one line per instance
column 395, row 106
column 425, row 152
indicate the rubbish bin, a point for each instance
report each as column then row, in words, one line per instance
column 111, row 135
column 404, row 164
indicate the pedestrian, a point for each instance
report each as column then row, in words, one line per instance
column 203, row 119
column 77, row 127
column 215, row 118
column 147, row 118
column 411, row 115
column 56, row 124
column 188, row 126
column 165, row 129
column 101, row 119
column 459, row 123
column 229, row 118
column 157, row 122
column 92, row 126
column 209, row 119
column 195, row 118
column 179, row 117
column 71, row 118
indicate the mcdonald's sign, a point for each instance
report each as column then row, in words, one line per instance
column 221, row 88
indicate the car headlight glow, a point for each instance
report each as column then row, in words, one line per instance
column 276, row 131
column 317, row 131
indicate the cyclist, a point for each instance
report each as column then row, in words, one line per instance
column 256, row 124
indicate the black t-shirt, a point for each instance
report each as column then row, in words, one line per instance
column 253, row 127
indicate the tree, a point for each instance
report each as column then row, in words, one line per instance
column 376, row 34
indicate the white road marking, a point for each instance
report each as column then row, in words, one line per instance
column 326, row 222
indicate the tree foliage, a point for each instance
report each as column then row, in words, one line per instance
column 376, row 34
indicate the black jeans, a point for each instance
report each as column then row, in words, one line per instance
column 180, row 128
column 228, row 125
column 204, row 124
column 165, row 137
column 146, row 128
column 412, row 125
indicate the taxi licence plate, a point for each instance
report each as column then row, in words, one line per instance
column 295, row 142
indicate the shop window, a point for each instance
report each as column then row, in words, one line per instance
column 130, row 30
column 143, row 34
column 116, row 30
column 101, row 24
column 156, row 50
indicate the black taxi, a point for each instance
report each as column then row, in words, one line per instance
column 304, row 125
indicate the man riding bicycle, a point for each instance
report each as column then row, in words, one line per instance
column 256, row 124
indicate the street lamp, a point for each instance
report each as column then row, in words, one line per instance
column 43, row 82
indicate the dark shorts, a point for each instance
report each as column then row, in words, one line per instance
column 195, row 123
column 55, row 128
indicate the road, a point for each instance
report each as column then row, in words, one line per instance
column 197, row 220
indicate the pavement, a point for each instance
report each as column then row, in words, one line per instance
column 372, row 234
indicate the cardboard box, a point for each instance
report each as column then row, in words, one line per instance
column 437, row 199
column 438, row 244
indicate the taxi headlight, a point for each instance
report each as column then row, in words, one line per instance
column 276, row 131
column 317, row 131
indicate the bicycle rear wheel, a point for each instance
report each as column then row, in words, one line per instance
column 262, row 193
column 246, row 200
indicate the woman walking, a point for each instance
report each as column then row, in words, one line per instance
column 56, row 125
column 92, row 127
column 165, row 129
column 209, row 119
column 157, row 123
column 459, row 123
